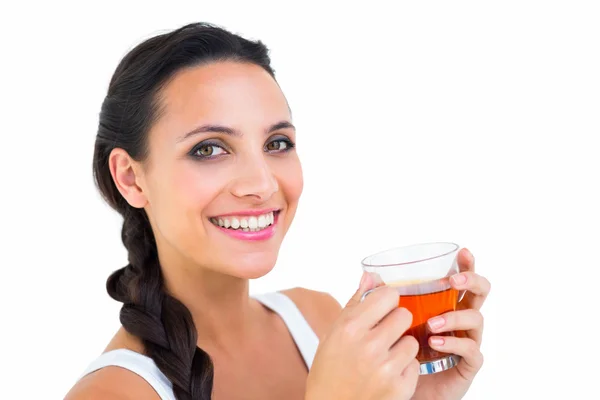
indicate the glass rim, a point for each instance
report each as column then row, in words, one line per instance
column 364, row 264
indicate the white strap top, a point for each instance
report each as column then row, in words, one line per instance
column 305, row 338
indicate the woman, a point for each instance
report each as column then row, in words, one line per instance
column 195, row 148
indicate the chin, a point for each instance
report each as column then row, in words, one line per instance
column 252, row 266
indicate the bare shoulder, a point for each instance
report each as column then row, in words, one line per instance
column 112, row 383
column 319, row 308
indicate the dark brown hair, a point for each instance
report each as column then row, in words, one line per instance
column 131, row 106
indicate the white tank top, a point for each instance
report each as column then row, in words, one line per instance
column 305, row 338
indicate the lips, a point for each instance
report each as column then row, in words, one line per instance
column 249, row 228
column 245, row 223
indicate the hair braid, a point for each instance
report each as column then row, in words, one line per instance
column 163, row 323
column 131, row 107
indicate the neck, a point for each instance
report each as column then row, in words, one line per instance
column 220, row 304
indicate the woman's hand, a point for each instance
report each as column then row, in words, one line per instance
column 454, row 383
column 364, row 357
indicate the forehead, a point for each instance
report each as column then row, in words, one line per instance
column 239, row 95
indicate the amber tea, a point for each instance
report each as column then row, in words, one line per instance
column 426, row 300
column 420, row 273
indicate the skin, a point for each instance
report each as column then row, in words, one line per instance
column 209, row 271
column 384, row 367
column 204, row 268
column 278, row 373
column 454, row 383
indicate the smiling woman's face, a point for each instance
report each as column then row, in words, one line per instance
column 222, row 179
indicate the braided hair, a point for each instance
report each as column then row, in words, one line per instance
column 131, row 106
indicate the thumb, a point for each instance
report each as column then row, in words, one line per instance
column 366, row 283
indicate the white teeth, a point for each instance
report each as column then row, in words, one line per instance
column 247, row 224
column 262, row 221
column 252, row 223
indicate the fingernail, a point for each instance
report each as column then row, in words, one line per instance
column 459, row 279
column 436, row 323
column 436, row 341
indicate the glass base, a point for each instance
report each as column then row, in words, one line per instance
column 442, row 364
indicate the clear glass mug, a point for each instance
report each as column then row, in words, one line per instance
column 421, row 274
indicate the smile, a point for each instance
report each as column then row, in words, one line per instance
column 245, row 223
column 248, row 227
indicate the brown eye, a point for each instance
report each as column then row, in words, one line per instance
column 205, row 151
column 277, row 145
column 273, row 146
column 208, row 150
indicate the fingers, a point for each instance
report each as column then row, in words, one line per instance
column 404, row 352
column 469, row 320
column 472, row 282
column 465, row 260
column 402, row 360
column 391, row 328
column 366, row 283
column 412, row 370
column 401, row 369
column 472, row 359
column 410, row 378
column 477, row 287
column 374, row 307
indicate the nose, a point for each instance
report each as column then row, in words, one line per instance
column 255, row 180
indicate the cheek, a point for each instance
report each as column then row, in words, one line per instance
column 291, row 181
column 200, row 189
column 180, row 196
column 194, row 187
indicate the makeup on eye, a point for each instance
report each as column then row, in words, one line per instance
column 210, row 149
column 283, row 144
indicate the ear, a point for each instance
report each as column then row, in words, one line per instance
column 125, row 174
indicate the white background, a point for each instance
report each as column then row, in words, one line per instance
column 475, row 122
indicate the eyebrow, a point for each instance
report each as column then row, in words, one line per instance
column 209, row 128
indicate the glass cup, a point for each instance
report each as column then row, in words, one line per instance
column 420, row 273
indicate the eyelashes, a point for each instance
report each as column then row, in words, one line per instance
column 211, row 149
column 280, row 145
column 208, row 149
